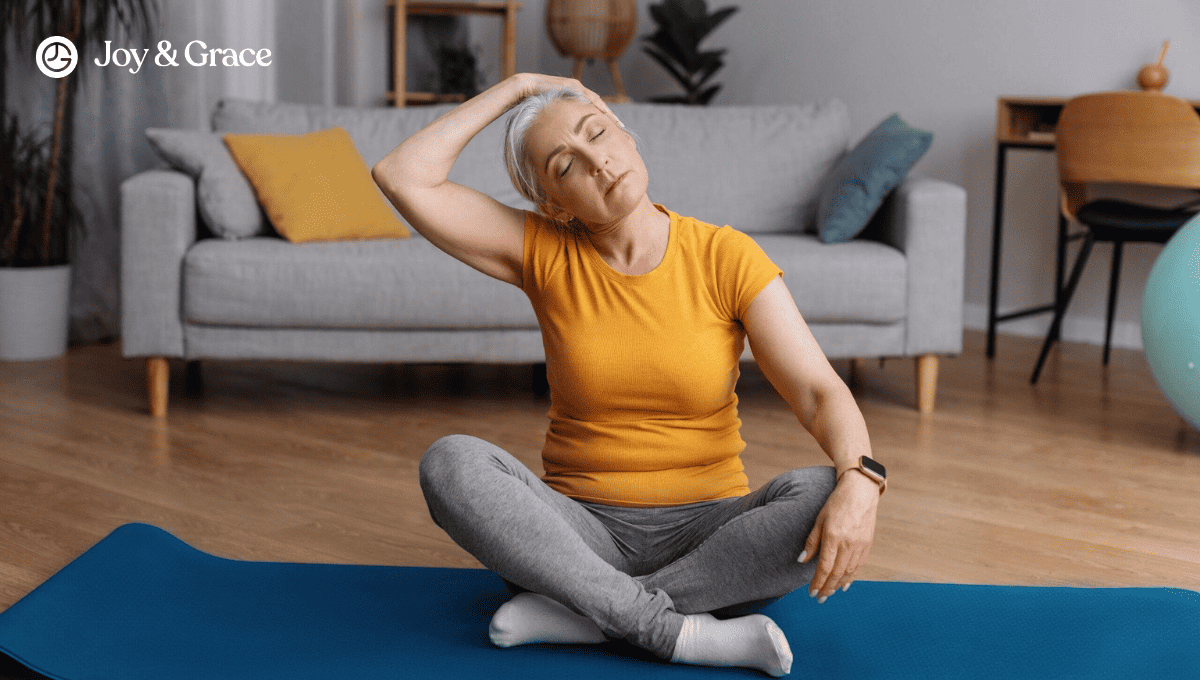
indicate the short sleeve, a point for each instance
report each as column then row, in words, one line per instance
column 541, row 252
column 743, row 270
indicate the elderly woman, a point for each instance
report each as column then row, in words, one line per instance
column 643, row 527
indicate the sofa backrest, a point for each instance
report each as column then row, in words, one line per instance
column 757, row 168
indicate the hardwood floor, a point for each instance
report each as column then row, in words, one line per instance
column 1089, row 478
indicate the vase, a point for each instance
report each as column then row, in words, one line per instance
column 34, row 312
column 593, row 29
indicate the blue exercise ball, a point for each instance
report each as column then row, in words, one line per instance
column 1171, row 321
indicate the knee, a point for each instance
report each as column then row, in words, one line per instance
column 445, row 460
column 810, row 482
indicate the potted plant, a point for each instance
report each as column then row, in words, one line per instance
column 37, row 213
column 682, row 24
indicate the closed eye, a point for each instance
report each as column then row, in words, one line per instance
column 564, row 172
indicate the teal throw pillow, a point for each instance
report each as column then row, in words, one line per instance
column 862, row 178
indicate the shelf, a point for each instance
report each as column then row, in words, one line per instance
column 452, row 8
column 427, row 98
column 506, row 10
column 1029, row 121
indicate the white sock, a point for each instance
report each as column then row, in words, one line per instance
column 530, row 617
column 752, row 641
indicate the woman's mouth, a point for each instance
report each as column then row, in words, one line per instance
column 614, row 184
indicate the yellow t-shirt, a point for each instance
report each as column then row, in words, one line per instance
column 642, row 368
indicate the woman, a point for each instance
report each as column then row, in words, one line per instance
column 643, row 527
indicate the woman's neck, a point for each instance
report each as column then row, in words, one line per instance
column 637, row 243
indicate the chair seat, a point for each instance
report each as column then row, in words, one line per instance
column 1112, row 220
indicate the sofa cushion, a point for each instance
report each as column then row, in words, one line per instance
column 860, row 281
column 862, row 179
column 315, row 187
column 757, row 168
column 376, row 131
column 224, row 197
column 378, row 284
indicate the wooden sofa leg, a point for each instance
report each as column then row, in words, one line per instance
column 927, row 376
column 157, row 381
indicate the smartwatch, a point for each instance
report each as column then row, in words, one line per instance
column 872, row 469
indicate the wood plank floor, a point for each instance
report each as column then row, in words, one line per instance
column 1087, row 479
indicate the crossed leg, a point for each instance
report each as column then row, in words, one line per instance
column 577, row 571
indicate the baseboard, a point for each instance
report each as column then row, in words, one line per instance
column 1089, row 330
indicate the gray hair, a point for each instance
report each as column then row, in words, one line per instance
column 522, row 169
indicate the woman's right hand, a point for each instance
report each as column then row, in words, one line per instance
column 530, row 84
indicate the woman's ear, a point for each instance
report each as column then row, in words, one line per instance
column 554, row 212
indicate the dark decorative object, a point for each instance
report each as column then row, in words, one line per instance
column 34, row 231
column 584, row 30
column 457, row 73
column 682, row 24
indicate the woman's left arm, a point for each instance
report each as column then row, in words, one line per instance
column 789, row 356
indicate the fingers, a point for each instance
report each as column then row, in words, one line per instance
column 599, row 103
column 839, row 561
column 832, row 567
column 848, row 577
column 538, row 83
column 813, row 544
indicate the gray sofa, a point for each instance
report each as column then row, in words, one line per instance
column 896, row 291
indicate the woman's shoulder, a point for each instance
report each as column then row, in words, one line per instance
column 705, row 233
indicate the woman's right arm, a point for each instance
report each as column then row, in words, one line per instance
column 468, row 224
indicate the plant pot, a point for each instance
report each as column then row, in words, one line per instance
column 33, row 312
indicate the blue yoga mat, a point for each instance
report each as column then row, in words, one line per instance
column 143, row 604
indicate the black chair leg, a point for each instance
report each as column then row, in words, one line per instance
column 1114, row 282
column 1076, row 272
column 195, row 379
column 538, row 381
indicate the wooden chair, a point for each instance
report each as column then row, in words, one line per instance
column 1139, row 138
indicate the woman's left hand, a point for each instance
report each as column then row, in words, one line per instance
column 843, row 533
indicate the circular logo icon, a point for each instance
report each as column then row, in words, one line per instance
column 57, row 56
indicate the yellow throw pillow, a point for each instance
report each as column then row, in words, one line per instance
column 315, row 186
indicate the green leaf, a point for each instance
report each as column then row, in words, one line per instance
column 711, row 22
column 695, row 10
column 705, row 60
column 680, row 27
column 670, row 99
column 671, row 68
column 705, row 96
column 709, row 72
column 668, row 48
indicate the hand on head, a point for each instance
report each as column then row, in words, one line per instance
column 534, row 83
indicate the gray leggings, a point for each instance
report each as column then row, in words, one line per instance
column 633, row 571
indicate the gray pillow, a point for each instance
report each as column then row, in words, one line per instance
column 226, row 200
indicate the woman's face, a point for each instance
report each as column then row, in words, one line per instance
column 588, row 166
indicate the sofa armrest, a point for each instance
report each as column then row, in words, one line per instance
column 927, row 220
column 158, row 225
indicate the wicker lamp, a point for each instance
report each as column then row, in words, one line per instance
column 593, row 29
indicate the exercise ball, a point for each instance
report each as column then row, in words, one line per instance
column 1171, row 321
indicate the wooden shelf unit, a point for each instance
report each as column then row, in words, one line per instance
column 506, row 10
column 1030, row 121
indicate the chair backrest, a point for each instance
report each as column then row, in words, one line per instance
column 1126, row 138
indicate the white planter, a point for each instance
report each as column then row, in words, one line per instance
column 33, row 312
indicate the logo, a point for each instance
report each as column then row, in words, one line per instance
column 57, row 57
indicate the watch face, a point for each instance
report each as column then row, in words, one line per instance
column 874, row 466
